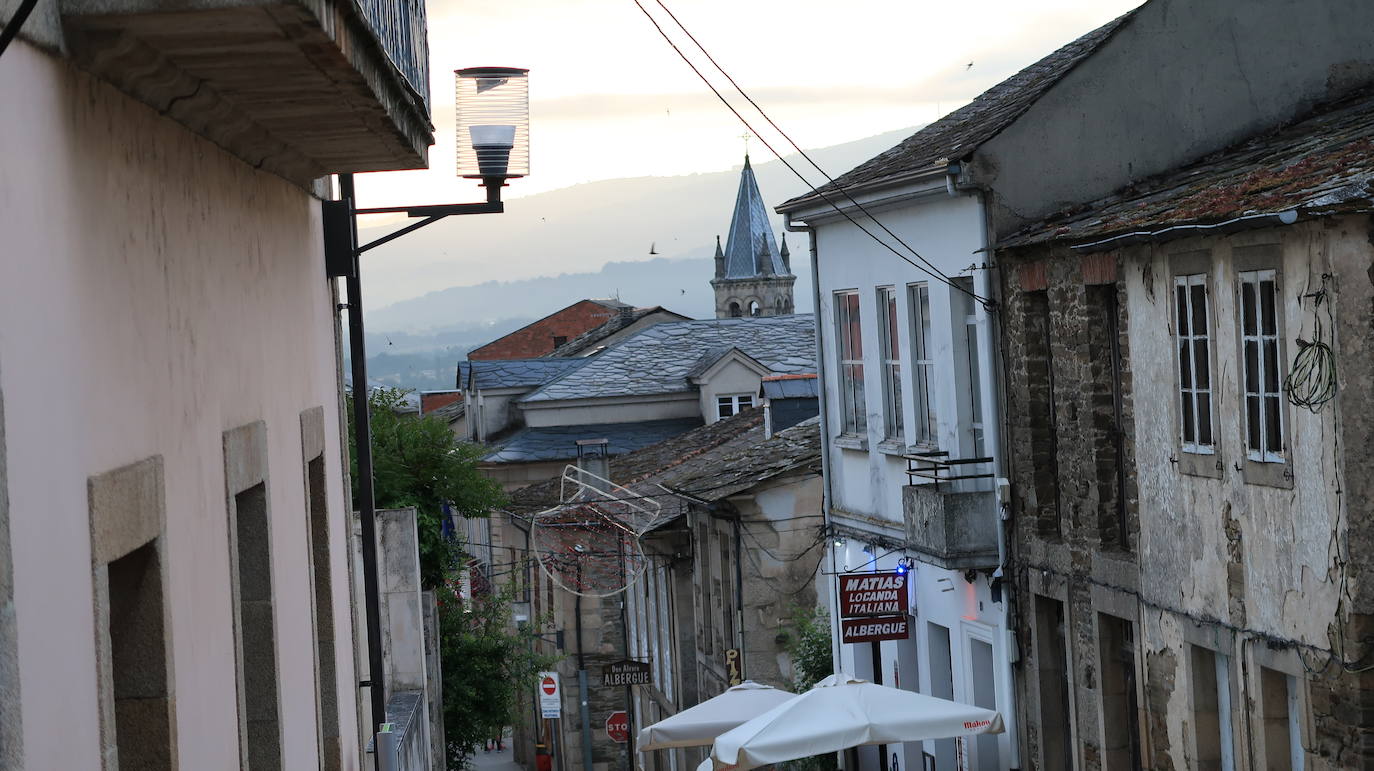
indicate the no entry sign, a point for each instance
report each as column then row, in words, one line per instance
column 550, row 697
column 875, row 629
column 618, row 727
column 873, row 594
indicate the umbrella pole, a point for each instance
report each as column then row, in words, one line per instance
column 877, row 649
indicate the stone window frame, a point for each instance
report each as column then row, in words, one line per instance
column 1125, row 607
column 1287, row 662
column 329, row 739
column 1221, row 641
column 128, row 510
column 1246, row 259
column 246, row 467
column 1191, row 263
column 1053, row 586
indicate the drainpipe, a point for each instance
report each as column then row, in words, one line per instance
column 993, row 437
column 826, row 496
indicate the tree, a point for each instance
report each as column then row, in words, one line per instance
column 808, row 644
column 489, row 665
column 417, row 461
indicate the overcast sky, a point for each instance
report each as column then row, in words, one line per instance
column 609, row 98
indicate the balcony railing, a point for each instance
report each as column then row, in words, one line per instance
column 401, row 30
column 939, row 467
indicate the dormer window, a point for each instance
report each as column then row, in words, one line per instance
column 733, row 404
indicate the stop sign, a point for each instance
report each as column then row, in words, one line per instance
column 548, row 685
column 618, row 727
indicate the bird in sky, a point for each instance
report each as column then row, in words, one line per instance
column 968, row 66
column 653, row 250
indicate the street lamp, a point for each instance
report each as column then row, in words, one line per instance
column 493, row 145
column 493, row 105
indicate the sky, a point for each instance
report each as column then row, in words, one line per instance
column 609, row 98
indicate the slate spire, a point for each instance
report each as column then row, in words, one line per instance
column 750, row 238
column 720, row 260
column 784, row 253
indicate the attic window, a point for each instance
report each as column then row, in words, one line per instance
column 732, row 404
column 559, row 340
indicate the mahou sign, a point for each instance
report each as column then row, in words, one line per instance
column 873, row 594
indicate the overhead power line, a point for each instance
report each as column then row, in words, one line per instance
column 928, row 268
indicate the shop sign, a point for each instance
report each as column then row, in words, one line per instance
column 874, row 629
column 626, row 672
column 873, row 594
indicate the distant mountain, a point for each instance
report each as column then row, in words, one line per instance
column 589, row 240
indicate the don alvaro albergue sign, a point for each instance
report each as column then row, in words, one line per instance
column 874, row 607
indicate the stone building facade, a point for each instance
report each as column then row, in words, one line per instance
column 1189, row 504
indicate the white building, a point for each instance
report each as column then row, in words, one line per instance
column 174, row 585
column 908, row 356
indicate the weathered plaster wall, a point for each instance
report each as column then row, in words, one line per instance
column 156, row 293
column 1253, row 571
column 1180, row 79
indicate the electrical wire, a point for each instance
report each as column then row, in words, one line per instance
column 1311, row 381
column 933, row 272
column 840, row 188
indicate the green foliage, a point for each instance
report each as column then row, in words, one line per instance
column 489, row 666
column 808, row 644
column 417, row 461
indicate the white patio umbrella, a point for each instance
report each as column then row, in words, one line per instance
column 700, row 725
column 843, row 712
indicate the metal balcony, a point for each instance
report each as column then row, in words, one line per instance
column 952, row 518
column 300, row 88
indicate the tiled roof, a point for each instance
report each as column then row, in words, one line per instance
column 1322, row 164
column 646, row 463
column 791, row 387
column 961, row 132
column 449, row 412
column 750, row 250
column 738, row 466
column 657, row 360
column 560, row 442
column 580, row 344
column 514, row 373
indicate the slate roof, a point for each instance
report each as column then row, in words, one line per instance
column 514, row 373
column 644, row 464
column 750, row 250
column 738, row 466
column 578, row 346
column 449, row 412
column 959, row 133
column 1318, row 165
column 560, row 442
column 657, row 360
column 791, row 387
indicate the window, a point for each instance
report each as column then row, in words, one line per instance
column 1051, row 657
column 734, row 310
column 1262, row 381
column 1212, row 710
column 966, row 318
column 892, row 363
column 754, row 308
column 1108, row 438
column 1194, row 363
column 559, row 340
column 252, row 571
column 918, row 296
column 849, row 342
column 733, row 404
column 1120, row 714
column 326, row 679
column 142, row 705
column 1040, row 406
column 1279, row 715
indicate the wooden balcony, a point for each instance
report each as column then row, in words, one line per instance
column 301, row 88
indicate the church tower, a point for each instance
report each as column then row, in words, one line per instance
column 753, row 276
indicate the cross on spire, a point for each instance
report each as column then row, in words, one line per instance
column 746, row 136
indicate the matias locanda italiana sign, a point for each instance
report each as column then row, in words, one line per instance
column 874, row 629
column 873, row 594
column 626, row 672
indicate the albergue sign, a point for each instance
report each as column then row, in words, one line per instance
column 873, row 594
column 874, row 629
